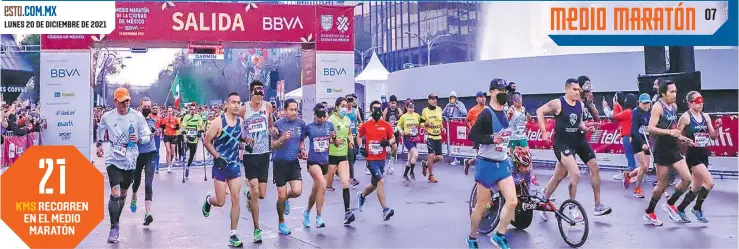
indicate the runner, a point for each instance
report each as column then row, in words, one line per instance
column 170, row 124
column 391, row 114
column 338, row 152
column 125, row 127
column 408, row 126
column 180, row 146
column 355, row 117
column 639, row 144
column 569, row 140
column 288, row 137
column 378, row 134
column 157, row 134
column 518, row 117
column 663, row 126
column 590, row 111
column 145, row 162
column 493, row 168
column 258, row 120
column 432, row 121
column 471, row 118
column 320, row 134
column 698, row 127
column 221, row 141
column 193, row 125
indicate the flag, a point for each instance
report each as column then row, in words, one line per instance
column 176, row 90
column 185, row 90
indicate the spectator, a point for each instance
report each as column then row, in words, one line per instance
column 454, row 109
column 510, row 90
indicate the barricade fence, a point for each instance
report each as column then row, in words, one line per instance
column 14, row 146
column 606, row 142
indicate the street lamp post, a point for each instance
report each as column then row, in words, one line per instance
column 365, row 53
column 428, row 44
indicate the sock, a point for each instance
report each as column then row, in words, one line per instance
column 114, row 210
column 407, row 168
column 346, row 199
column 652, row 203
column 233, row 232
column 689, row 197
column 473, row 239
column 122, row 201
column 413, row 168
column 702, row 194
column 674, row 197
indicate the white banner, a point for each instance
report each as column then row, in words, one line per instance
column 308, row 101
column 57, row 17
column 334, row 75
column 66, row 99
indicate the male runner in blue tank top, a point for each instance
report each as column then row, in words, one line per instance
column 569, row 139
column 287, row 142
column 222, row 142
column 355, row 115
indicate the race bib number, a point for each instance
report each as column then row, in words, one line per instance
column 192, row 132
column 375, row 148
column 320, row 144
column 257, row 126
column 701, row 139
column 643, row 130
column 506, row 135
column 413, row 131
column 118, row 149
column 352, row 125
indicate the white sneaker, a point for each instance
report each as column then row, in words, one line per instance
column 366, row 171
column 169, row 169
column 619, row 177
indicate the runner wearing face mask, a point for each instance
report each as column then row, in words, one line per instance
column 193, row 126
column 518, row 117
column 355, row 115
column 408, row 126
column 338, row 155
column 145, row 162
column 432, row 121
column 391, row 114
column 157, row 134
column 379, row 135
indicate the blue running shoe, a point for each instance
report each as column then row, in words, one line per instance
column 348, row 217
column 306, row 218
column 472, row 243
column 683, row 217
column 234, row 241
column 361, row 200
column 699, row 216
column 287, row 207
column 499, row 241
column 133, row 206
column 283, row 229
column 387, row 213
column 319, row 222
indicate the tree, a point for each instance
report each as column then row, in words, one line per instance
column 32, row 45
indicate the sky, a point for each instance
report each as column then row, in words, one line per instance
column 142, row 69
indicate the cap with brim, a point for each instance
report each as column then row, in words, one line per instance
column 121, row 94
column 480, row 94
column 432, row 96
column 498, row 83
column 644, row 98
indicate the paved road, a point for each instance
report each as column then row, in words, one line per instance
column 427, row 216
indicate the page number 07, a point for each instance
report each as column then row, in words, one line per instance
column 49, row 164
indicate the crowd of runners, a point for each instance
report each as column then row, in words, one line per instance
column 252, row 134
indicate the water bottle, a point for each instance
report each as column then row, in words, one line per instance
column 130, row 131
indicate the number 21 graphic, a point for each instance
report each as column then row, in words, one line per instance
column 49, row 164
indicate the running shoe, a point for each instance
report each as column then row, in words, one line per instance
column 283, row 229
column 601, row 210
column 366, row 171
column 348, row 217
column 361, row 200
column 638, row 192
column 406, row 179
column 699, row 216
column 413, row 176
column 113, row 235
column 432, row 179
column 235, row 241
column 499, row 241
column 187, row 171
column 424, row 168
column 247, row 193
column 544, row 215
column 148, row 219
column 466, row 171
column 575, row 213
column 626, row 180
column 354, row 182
column 206, row 206
column 287, row 207
column 169, row 169
column 672, row 211
column 387, row 213
column 652, row 218
column 133, row 206
column 331, row 188
column 390, row 170
column 306, row 219
column 618, row 177
column 319, row 222
column 257, row 236
column 472, row 243
column 683, row 217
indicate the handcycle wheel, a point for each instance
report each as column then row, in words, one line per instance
column 523, row 217
column 581, row 218
column 489, row 219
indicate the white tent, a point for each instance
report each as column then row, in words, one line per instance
column 374, row 79
column 296, row 94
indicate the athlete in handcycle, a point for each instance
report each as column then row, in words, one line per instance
column 569, row 213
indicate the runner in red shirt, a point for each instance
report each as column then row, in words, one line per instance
column 379, row 135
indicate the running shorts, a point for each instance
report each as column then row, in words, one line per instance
column 376, row 168
column 581, row 148
column 224, row 172
column 117, row 176
column 256, row 166
column 335, row 160
column 489, row 172
column 636, row 146
column 324, row 166
column 666, row 155
column 434, row 147
column 285, row 171
column 696, row 156
column 522, row 142
column 408, row 143
column 170, row 139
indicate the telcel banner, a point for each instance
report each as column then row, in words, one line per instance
column 66, row 99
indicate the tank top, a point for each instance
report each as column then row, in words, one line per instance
column 497, row 152
column 227, row 144
column 255, row 127
column 698, row 132
column 518, row 124
column 392, row 116
column 352, row 114
column 567, row 122
column 668, row 120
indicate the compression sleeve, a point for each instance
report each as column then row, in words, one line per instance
column 482, row 129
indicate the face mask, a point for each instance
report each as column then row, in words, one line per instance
column 376, row 113
column 145, row 111
column 343, row 111
column 502, row 98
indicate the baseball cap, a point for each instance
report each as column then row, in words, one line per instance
column 121, row 94
column 480, row 94
column 432, row 96
column 498, row 83
column 351, row 95
column 644, row 98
